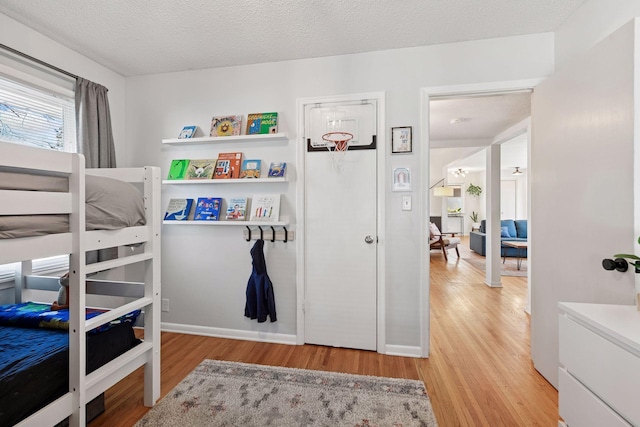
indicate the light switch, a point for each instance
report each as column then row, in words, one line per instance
column 406, row 203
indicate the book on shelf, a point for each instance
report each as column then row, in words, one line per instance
column 277, row 170
column 178, row 169
column 188, row 132
column 208, row 209
column 236, row 209
column 178, row 209
column 262, row 123
column 226, row 126
column 251, row 168
column 201, row 169
column 228, row 166
column 265, row 207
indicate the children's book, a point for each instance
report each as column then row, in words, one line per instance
column 228, row 166
column 265, row 207
column 208, row 209
column 237, row 209
column 178, row 169
column 251, row 168
column 277, row 170
column 178, row 209
column 226, row 126
column 262, row 123
column 188, row 132
column 201, row 169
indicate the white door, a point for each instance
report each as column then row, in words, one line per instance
column 340, row 229
column 584, row 154
column 508, row 200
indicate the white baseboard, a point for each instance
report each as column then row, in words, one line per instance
column 229, row 333
column 402, row 350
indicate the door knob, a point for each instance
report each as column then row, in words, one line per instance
column 368, row 239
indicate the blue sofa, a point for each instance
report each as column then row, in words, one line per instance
column 514, row 230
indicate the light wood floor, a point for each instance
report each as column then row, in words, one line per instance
column 479, row 372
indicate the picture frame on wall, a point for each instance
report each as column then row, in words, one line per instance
column 401, row 139
column 401, row 179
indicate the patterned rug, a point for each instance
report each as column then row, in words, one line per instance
column 229, row 394
column 509, row 267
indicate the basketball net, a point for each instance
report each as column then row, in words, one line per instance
column 338, row 145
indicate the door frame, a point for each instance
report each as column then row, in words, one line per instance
column 426, row 94
column 301, row 218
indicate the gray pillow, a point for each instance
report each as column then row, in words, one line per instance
column 112, row 204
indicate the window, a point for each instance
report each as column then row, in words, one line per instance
column 35, row 117
column 38, row 116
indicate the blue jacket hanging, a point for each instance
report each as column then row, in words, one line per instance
column 260, row 298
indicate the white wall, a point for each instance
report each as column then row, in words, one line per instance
column 439, row 159
column 205, row 269
column 592, row 22
column 582, row 190
column 26, row 40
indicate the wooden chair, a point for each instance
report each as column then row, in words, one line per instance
column 438, row 241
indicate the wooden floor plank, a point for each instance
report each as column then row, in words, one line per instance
column 479, row 372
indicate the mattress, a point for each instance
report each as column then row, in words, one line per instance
column 34, row 365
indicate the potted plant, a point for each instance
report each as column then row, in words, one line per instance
column 621, row 264
column 474, row 190
column 474, row 219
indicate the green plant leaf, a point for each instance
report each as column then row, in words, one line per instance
column 629, row 256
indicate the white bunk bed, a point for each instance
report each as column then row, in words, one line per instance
column 77, row 241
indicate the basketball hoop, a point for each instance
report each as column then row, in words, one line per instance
column 338, row 145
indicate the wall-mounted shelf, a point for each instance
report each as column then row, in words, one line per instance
column 233, row 138
column 222, row 181
column 230, row 223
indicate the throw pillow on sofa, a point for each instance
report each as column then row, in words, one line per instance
column 521, row 228
column 504, row 232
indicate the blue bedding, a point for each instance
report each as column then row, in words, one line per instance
column 34, row 364
column 21, row 348
column 38, row 315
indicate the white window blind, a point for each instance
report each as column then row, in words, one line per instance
column 36, row 117
column 39, row 117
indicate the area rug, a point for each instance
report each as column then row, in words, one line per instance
column 508, row 268
column 229, row 394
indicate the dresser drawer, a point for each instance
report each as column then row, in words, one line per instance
column 580, row 408
column 606, row 369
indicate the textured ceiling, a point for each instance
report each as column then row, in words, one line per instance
column 147, row 37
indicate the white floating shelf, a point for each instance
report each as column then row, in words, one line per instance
column 232, row 138
column 230, row 223
column 222, row 181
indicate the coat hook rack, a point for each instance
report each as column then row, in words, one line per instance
column 279, row 235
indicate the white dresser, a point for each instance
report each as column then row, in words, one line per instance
column 599, row 378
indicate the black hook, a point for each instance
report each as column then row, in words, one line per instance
column 286, row 235
column 261, row 231
column 249, row 230
column 273, row 234
column 619, row 264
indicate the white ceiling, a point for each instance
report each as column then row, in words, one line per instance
column 478, row 120
column 512, row 153
column 149, row 37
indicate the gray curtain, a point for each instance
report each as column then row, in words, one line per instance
column 93, row 125
column 95, row 138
